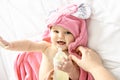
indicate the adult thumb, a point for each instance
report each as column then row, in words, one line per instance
column 75, row 59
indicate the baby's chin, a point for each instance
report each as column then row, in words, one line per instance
column 63, row 48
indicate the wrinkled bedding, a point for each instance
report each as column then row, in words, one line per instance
column 20, row 19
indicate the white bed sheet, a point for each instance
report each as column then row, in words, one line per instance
column 104, row 33
column 21, row 19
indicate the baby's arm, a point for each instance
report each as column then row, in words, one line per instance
column 24, row 45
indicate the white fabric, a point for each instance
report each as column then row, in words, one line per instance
column 104, row 33
column 21, row 19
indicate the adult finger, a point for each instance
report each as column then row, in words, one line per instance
column 82, row 49
column 75, row 59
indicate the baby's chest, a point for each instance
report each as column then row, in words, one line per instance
column 47, row 60
column 46, row 65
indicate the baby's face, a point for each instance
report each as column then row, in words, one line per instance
column 61, row 37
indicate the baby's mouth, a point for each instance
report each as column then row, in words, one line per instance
column 61, row 42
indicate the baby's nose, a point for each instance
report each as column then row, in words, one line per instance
column 61, row 35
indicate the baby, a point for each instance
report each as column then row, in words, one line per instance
column 67, row 32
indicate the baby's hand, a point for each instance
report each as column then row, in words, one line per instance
column 3, row 43
column 65, row 65
column 69, row 67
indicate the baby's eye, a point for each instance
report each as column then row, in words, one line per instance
column 56, row 31
column 68, row 32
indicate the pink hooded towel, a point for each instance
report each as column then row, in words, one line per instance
column 27, row 65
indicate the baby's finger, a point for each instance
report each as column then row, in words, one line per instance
column 2, row 45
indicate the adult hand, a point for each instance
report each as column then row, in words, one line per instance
column 89, row 59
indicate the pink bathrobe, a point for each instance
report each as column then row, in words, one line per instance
column 27, row 64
